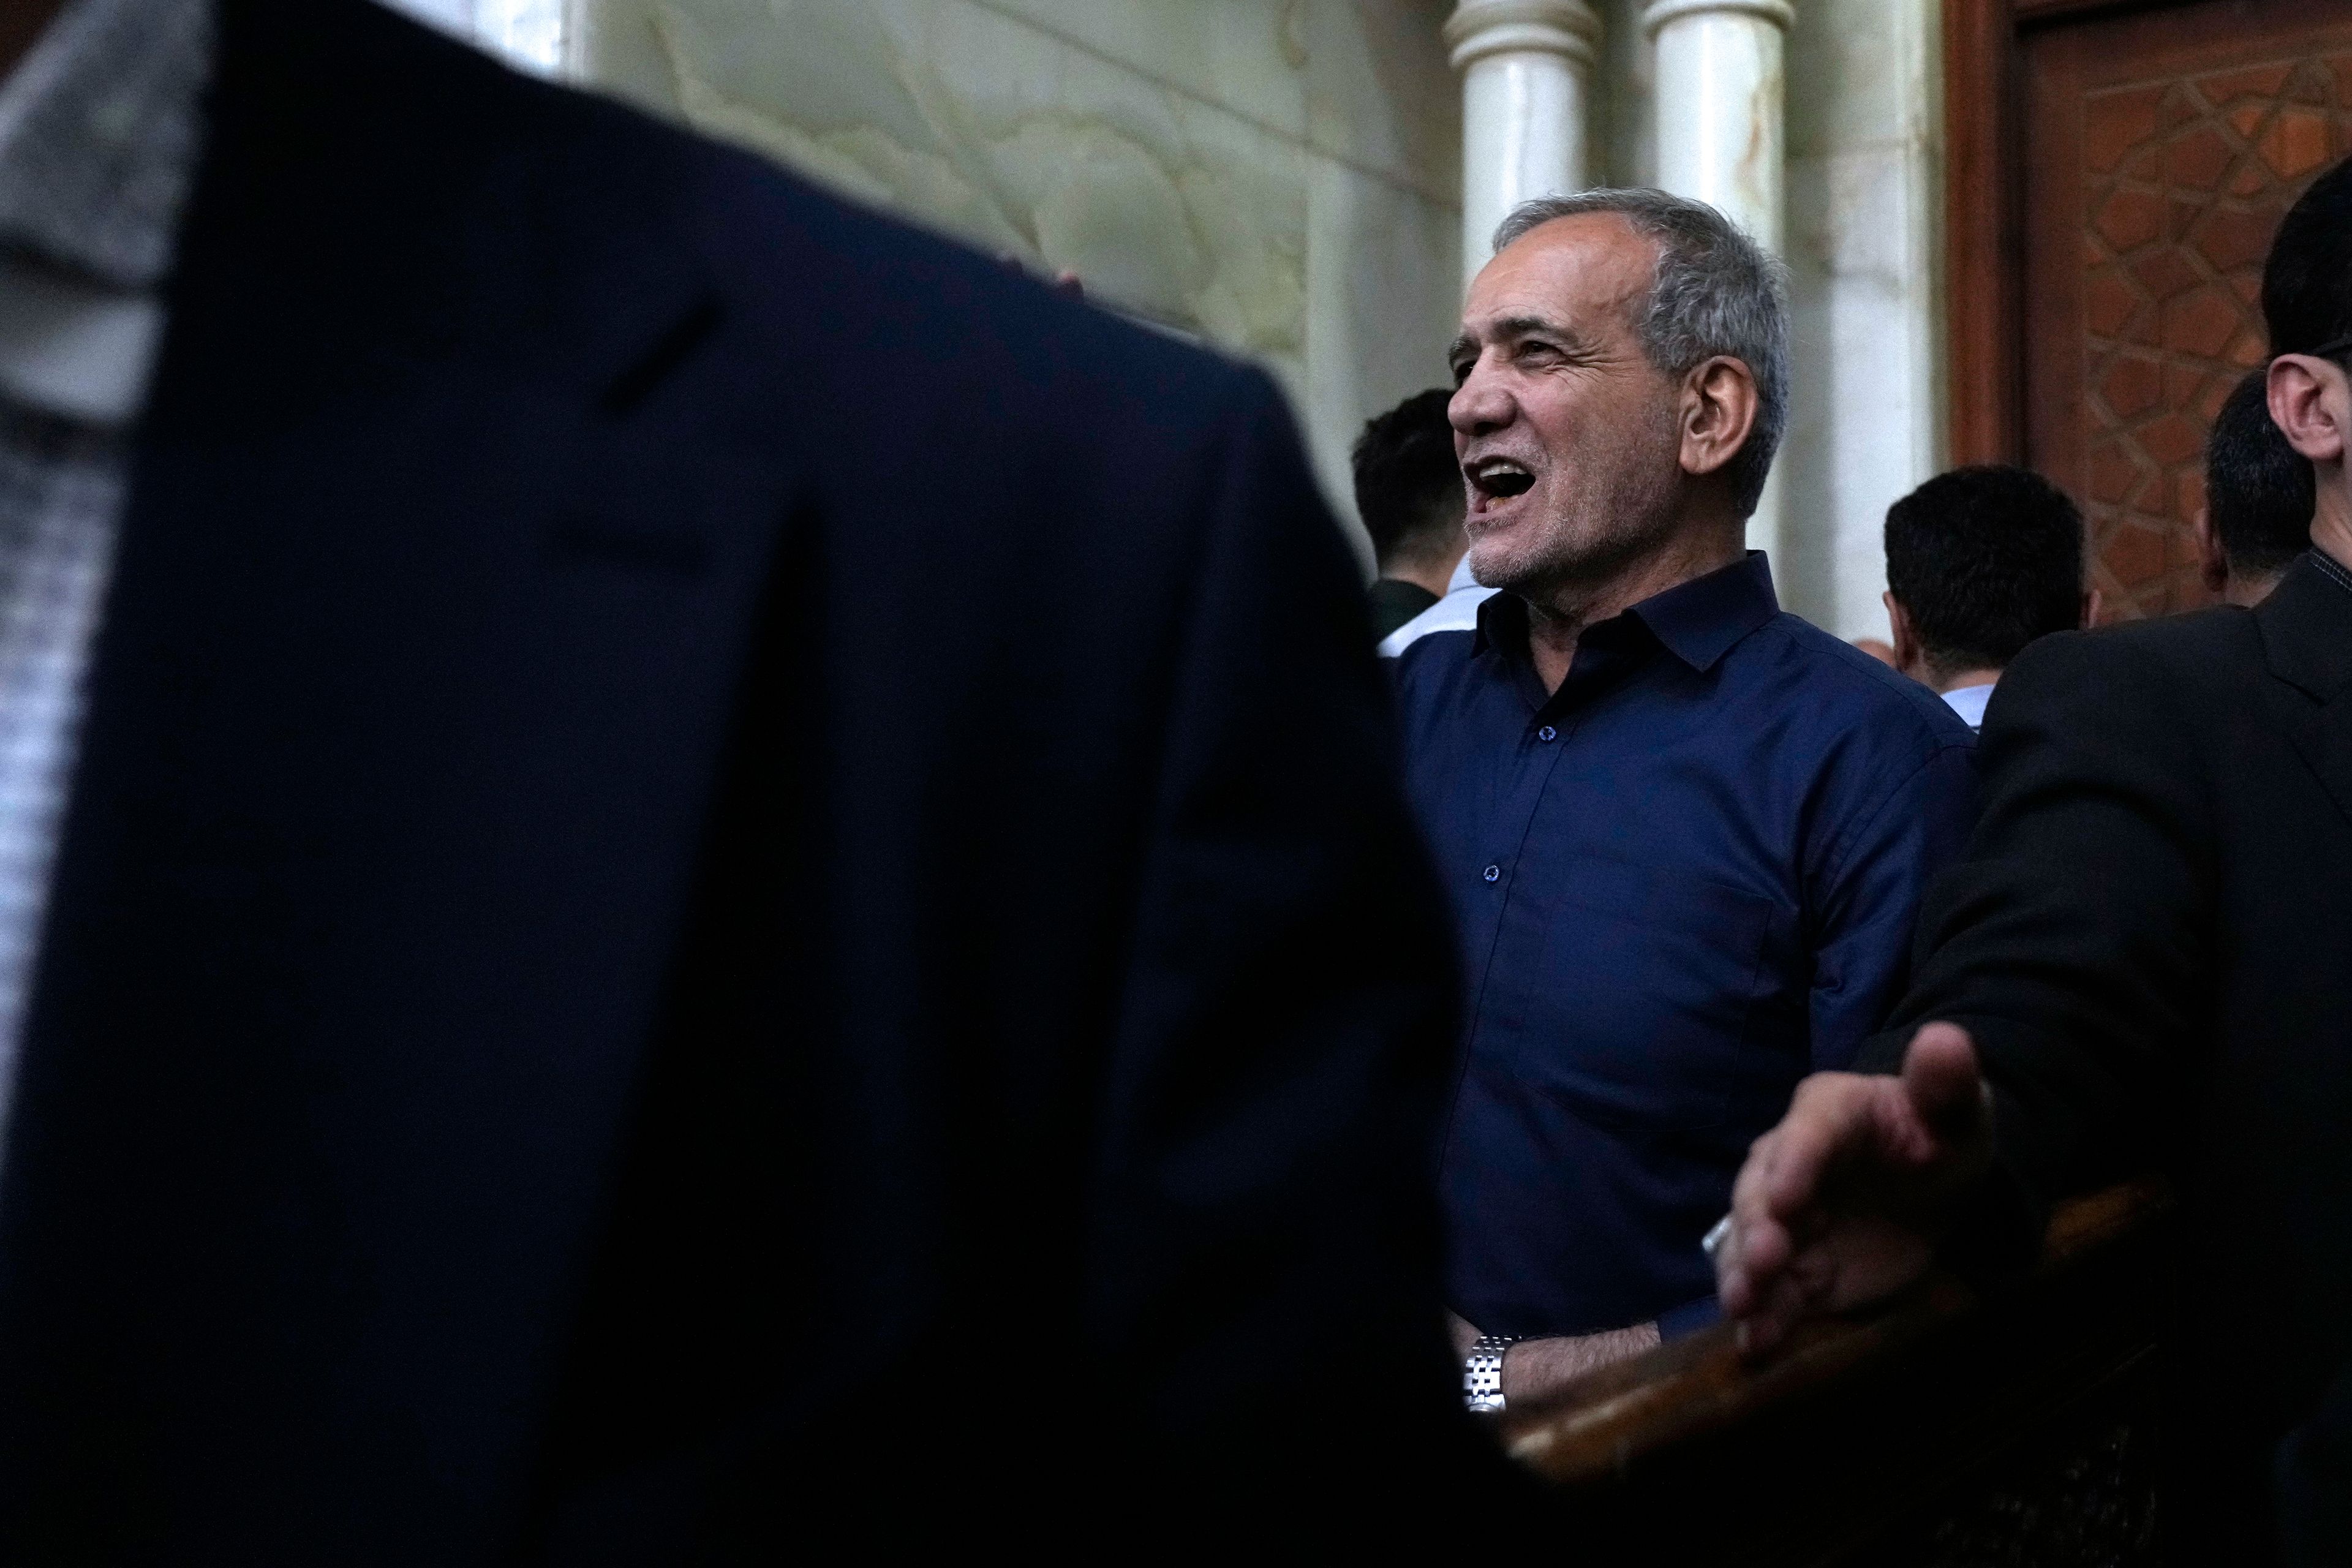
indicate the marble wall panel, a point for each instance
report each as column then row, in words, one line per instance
column 1866, row 418
column 1863, row 245
column 1246, row 56
column 1379, row 95
column 1855, row 72
column 1276, row 177
column 1625, row 131
column 1384, row 301
column 1865, row 261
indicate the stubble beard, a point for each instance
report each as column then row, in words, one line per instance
column 1620, row 516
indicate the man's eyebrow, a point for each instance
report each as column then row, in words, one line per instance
column 1510, row 327
column 1521, row 326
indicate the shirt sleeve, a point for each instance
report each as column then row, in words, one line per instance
column 1869, row 892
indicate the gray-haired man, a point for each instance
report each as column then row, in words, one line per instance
column 1684, row 831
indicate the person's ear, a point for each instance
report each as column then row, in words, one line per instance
column 2212, row 562
column 2093, row 602
column 1719, row 412
column 1907, row 640
column 2311, row 403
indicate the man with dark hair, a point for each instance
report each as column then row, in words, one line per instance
column 2145, row 959
column 1684, row 831
column 2258, row 498
column 1409, row 493
column 1980, row 562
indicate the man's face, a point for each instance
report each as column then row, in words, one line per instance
column 1568, row 436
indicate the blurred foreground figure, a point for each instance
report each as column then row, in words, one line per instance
column 723, row 872
column 1980, row 562
column 2258, row 498
column 2143, row 960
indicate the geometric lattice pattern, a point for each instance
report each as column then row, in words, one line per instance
column 2184, row 183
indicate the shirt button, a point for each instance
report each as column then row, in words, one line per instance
column 1546, row 734
column 1492, row 873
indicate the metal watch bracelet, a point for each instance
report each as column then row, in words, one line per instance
column 1482, row 1372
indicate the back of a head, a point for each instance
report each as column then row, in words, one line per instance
column 2258, row 490
column 1984, row 560
column 1408, row 484
column 2307, row 281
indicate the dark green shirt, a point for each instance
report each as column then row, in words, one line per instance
column 1395, row 602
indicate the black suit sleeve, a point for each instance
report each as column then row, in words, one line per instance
column 1265, row 1243
column 2312, row 1478
column 2072, row 940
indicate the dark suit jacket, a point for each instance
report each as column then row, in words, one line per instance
column 732, row 876
column 2315, row 1484
column 2151, row 940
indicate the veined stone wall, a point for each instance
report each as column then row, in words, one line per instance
column 1278, row 177
column 1282, row 178
column 1866, row 256
column 1863, row 227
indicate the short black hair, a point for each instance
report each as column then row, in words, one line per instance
column 1984, row 560
column 2259, row 491
column 1408, row 484
column 2307, row 281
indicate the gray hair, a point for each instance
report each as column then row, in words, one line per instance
column 1716, row 291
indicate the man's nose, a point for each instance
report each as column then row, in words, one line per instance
column 1480, row 403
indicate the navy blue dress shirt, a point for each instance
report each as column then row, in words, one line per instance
column 1682, row 881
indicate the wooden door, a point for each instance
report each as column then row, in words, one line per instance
column 2159, row 150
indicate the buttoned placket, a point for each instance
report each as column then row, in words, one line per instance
column 1552, row 723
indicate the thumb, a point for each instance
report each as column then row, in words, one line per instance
column 1941, row 1080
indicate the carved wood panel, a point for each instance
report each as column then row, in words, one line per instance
column 2162, row 150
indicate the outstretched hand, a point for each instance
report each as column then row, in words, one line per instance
column 1843, row 1203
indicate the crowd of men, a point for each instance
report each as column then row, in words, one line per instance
column 1705, row 861
column 679, row 867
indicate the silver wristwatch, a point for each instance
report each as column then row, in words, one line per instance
column 1482, row 1372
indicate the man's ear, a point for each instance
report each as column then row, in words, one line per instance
column 1907, row 640
column 2311, row 404
column 2212, row 562
column 2093, row 602
column 1719, row 412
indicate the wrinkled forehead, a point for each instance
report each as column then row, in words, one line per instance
column 1590, row 272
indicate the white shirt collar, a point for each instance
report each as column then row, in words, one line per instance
column 1968, row 702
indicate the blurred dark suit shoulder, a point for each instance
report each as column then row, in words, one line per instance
column 729, row 865
column 2150, row 938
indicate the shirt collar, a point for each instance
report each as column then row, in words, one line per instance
column 1968, row 702
column 1697, row 621
column 99, row 124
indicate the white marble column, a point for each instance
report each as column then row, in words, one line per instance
column 1719, row 103
column 1527, row 72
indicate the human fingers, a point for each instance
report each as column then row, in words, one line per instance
column 1778, row 1307
column 1780, row 1180
column 1746, row 1262
column 1829, row 1119
column 1942, row 1080
column 1756, row 1244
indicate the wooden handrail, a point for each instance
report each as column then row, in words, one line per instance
column 1927, row 1390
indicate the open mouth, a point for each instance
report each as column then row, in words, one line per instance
column 1497, row 479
